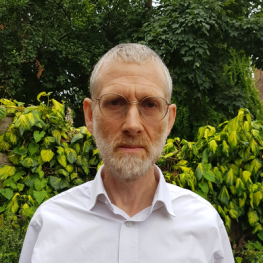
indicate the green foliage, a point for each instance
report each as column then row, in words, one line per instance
column 253, row 251
column 225, row 167
column 11, row 241
column 48, row 153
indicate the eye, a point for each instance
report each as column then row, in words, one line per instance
column 150, row 103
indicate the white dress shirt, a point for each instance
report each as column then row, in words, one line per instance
column 81, row 225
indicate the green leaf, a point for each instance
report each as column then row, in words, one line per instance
column 58, row 106
column 60, row 150
column 7, row 193
column 199, row 171
column 2, row 112
column 30, row 180
column 233, row 140
column 40, row 95
column 33, row 148
column 40, row 196
column 6, row 171
column 71, row 155
column 240, row 187
column 252, row 217
column 18, row 175
column 62, row 160
column 96, row 151
column 225, row 148
column 257, row 197
column 201, row 193
column 47, row 155
column 39, row 185
column 230, row 177
column 57, row 136
column 213, row 146
column 58, row 183
column 73, row 176
column 209, row 176
column 260, row 235
column 20, row 150
column 29, row 162
column 223, row 196
column 204, row 187
column 13, row 204
column 257, row 228
column 254, row 147
column 77, row 137
column 49, row 141
column 69, row 168
column 233, row 214
column 238, row 259
column 38, row 136
column 246, row 177
column 23, row 124
column 63, row 172
column 20, row 187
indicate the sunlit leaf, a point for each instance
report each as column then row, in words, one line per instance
column 6, row 171
column 38, row 136
column 62, row 160
column 223, row 196
column 57, row 136
column 29, row 162
column 47, row 155
column 252, row 217
column 40, row 196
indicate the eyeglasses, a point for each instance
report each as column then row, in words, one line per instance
column 114, row 106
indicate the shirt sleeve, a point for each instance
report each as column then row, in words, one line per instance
column 228, row 254
column 29, row 243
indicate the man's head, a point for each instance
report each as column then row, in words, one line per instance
column 131, row 143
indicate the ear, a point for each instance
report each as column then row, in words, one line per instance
column 172, row 115
column 87, row 108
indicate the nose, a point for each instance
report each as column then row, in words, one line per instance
column 132, row 120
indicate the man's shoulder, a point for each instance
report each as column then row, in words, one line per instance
column 177, row 192
column 78, row 196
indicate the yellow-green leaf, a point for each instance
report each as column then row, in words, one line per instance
column 57, row 136
column 69, row 168
column 13, row 204
column 213, row 146
column 233, row 213
column 240, row 187
column 47, row 155
column 73, row 176
column 60, row 150
column 257, row 228
column 257, row 197
column 225, row 147
column 6, row 171
column 253, row 218
column 62, row 159
column 23, row 124
column 58, row 106
column 223, row 196
column 246, row 177
column 29, row 162
column 233, row 140
column 40, row 95
column 230, row 177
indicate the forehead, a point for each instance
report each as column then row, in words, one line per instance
column 130, row 78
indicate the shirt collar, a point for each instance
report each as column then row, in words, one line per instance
column 161, row 198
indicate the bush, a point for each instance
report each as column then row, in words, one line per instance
column 11, row 241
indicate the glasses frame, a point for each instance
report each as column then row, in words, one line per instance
column 133, row 102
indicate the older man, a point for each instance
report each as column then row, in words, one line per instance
column 128, row 213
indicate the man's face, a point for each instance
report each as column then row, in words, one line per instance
column 130, row 146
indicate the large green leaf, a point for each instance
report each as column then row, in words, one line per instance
column 223, row 196
column 63, row 172
column 39, row 185
column 240, row 187
column 33, row 148
column 2, row 113
column 47, row 155
column 246, row 177
column 205, row 156
column 38, row 135
column 30, row 180
column 13, row 204
column 253, row 166
column 58, row 106
column 204, row 187
column 40, row 196
column 71, row 155
column 62, row 160
column 48, row 141
column 23, row 124
column 58, row 183
column 257, row 197
column 253, row 217
column 57, row 136
column 225, row 148
column 7, row 193
column 209, row 176
column 213, row 146
column 29, row 162
column 233, row 140
column 254, row 147
column 230, row 177
column 77, row 137
column 6, row 171
column 20, row 150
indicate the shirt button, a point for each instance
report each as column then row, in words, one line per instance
column 128, row 223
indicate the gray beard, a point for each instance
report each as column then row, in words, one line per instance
column 124, row 166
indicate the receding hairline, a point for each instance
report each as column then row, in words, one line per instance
column 131, row 53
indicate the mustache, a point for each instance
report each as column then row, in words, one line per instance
column 142, row 141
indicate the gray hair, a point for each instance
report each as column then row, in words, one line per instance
column 131, row 53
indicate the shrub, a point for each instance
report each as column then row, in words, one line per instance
column 48, row 153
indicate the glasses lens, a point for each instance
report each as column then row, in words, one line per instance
column 154, row 109
column 113, row 106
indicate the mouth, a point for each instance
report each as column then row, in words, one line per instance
column 131, row 148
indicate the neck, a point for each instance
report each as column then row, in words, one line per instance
column 131, row 197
